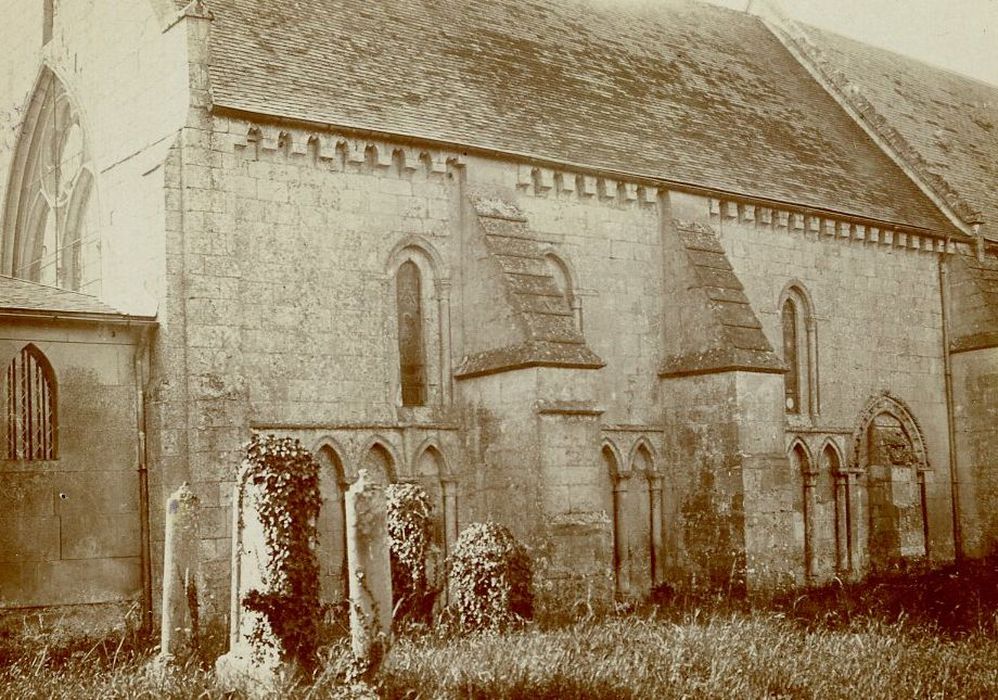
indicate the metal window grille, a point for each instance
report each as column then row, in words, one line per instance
column 29, row 398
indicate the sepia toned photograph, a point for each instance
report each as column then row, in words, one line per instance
column 523, row 349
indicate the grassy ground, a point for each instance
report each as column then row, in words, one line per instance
column 935, row 635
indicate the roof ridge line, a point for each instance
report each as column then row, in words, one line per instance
column 793, row 35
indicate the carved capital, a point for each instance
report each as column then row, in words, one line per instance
column 443, row 286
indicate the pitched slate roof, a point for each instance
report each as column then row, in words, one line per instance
column 680, row 91
column 18, row 295
column 948, row 122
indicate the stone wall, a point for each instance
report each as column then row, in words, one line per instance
column 975, row 396
column 289, row 240
column 269, row 252
column 878, row 323
column 973, row 304
column 71, row 525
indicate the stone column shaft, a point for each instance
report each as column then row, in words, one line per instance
column 809, row 533
column 853, row 514
column 842, row 559
column 620, row 564
column 812, row 367
column 449, row 488
column 655, row 490
column 443, row 309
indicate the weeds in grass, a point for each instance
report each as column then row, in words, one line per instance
column 931, row 636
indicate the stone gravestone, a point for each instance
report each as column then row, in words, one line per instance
column 181, row 575
column 253, row 663
column 369, row 570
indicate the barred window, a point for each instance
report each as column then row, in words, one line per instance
column 30, row 399
column 410, row 332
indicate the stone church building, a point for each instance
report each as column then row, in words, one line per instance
column 684, row 296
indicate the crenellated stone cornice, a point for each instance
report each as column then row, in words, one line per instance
column 817, row 226
column 542, row 181
column 345, row 151
column 340, row 151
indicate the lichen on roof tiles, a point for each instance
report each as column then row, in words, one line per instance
column 680, row 91
column 946, row 124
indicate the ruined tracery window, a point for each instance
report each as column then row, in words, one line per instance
column 412, row 351
column 29, row 401
column 49, row 225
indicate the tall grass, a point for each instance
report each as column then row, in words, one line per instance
column 725, row 656
column 934, row 635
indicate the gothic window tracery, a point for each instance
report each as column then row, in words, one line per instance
column 29, row 400
column 50, row 226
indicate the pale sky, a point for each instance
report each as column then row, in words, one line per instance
column 961, row 35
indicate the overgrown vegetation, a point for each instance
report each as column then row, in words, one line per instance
column 931, row 635
column 286, row 480
column 490, row 579
column 409, row 517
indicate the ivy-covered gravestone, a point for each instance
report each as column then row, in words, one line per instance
column 490, row 578
column 275, row 575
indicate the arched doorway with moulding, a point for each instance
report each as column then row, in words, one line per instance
column 889, row 452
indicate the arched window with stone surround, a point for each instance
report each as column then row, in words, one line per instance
column 791, row 357
column 50, row 231
column 799, row 344
column 412, row 343
column 31, row 407
column 420, row 292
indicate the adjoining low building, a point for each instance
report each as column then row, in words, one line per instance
column 649, row 286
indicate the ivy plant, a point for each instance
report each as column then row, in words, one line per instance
column 490, row 579
column 285, row 477
column 410, row 524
